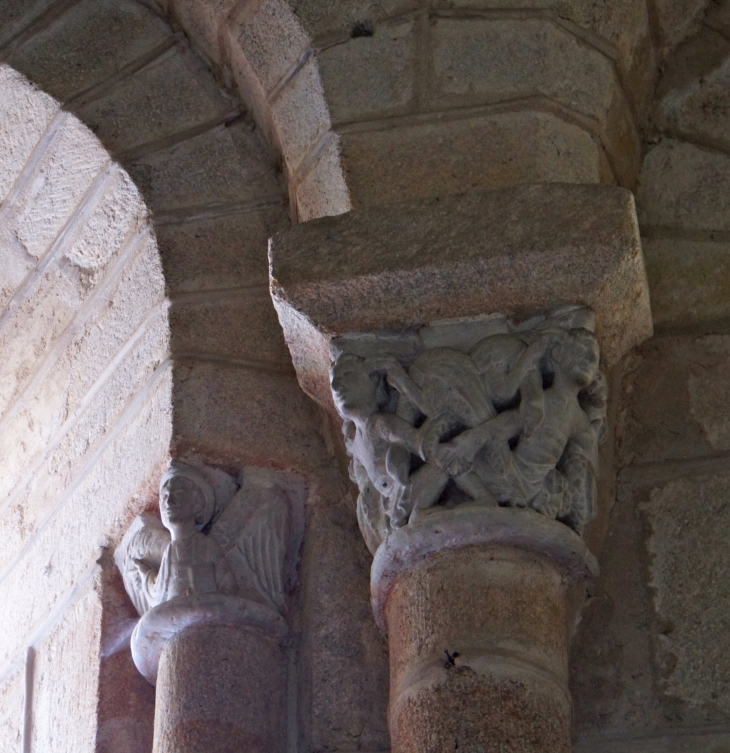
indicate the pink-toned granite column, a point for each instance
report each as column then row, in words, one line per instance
column 464, row 342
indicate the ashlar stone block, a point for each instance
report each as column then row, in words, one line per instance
column 516, row 252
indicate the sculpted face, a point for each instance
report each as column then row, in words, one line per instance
column 180, row 500
column 352, row 388
column 580, row 359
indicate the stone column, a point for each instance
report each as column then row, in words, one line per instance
column 220, row 667
column 463, row 341
column 212, row 582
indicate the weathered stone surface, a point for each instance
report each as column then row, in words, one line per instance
column 323, row 192
column 90, row 42
column 487, row 624
column 483, row 151
column 271, row 39
column 685, row 740
column 202, row 20
column 12, row 705
column 321, row 16
column 228, row 163
column 516, row 251
column 24, row 115
column 701, row 110
column 66, row 677
column 677, row 400
column 611, row 674
column 215, row 417
column 684, row 186
column 241, row 327
column 17, row 16
column 677, row 19
column 169, row 96
column 688, row 280
column 300, row 115
column 126, row 699
column 488, row 60
column 63, row 550
column 240, row 240
column 689, row 521
column 343, row 657
column 371, row 76
column 39, row 208
column 240, row 705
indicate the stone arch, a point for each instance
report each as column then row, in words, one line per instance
column 214, row 196
column 85, row 416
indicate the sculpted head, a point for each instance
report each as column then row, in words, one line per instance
column 578, row 356
column 186, row 498
column 353, row 390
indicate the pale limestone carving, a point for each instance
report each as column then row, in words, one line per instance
column 506, row 415
column 215, row 536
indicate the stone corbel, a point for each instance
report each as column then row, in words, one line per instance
column 212, row 582
column 463, row 342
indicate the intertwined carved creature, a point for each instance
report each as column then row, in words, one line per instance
column 514, row 421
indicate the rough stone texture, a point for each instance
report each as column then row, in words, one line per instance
column 358, row 272
column 65, row 692
column 226, row 164
column 372, row 75
column 688, row 280
column 215, row 418
column 689, row 520
column 12, row 707
column 241, row 327
column 501, row 615
column 93, row 40
column 40, row 206
column 699, row 109
column 202, row 20
column 323, row 191
column 126, row 699
column 344, row 658
column 300, row 115
column 24, row 116
column 677, row 400
column 221, row 688
column 683, row 186
column 272, row 40
column 494, row 60
column 504, row 149
column 62, row 549
column 321, row 16
column 676, row 19
column 240, row 240
column 168, row 96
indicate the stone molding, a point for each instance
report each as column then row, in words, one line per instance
column 162, row 623
column 476, row 526
column 517, row 251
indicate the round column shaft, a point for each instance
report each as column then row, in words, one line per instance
column 478, row 655
column 474, row 603
column 220, row 688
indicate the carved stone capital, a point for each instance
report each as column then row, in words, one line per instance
column 224, row 552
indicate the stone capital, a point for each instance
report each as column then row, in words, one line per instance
column 515, row 251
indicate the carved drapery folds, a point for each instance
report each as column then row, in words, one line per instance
column 487, row 411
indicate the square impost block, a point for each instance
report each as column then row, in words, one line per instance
column 516, row 251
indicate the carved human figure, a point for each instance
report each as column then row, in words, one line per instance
column 381, row 443
column 514, row 421
column 191, row 562
column 552, row 468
